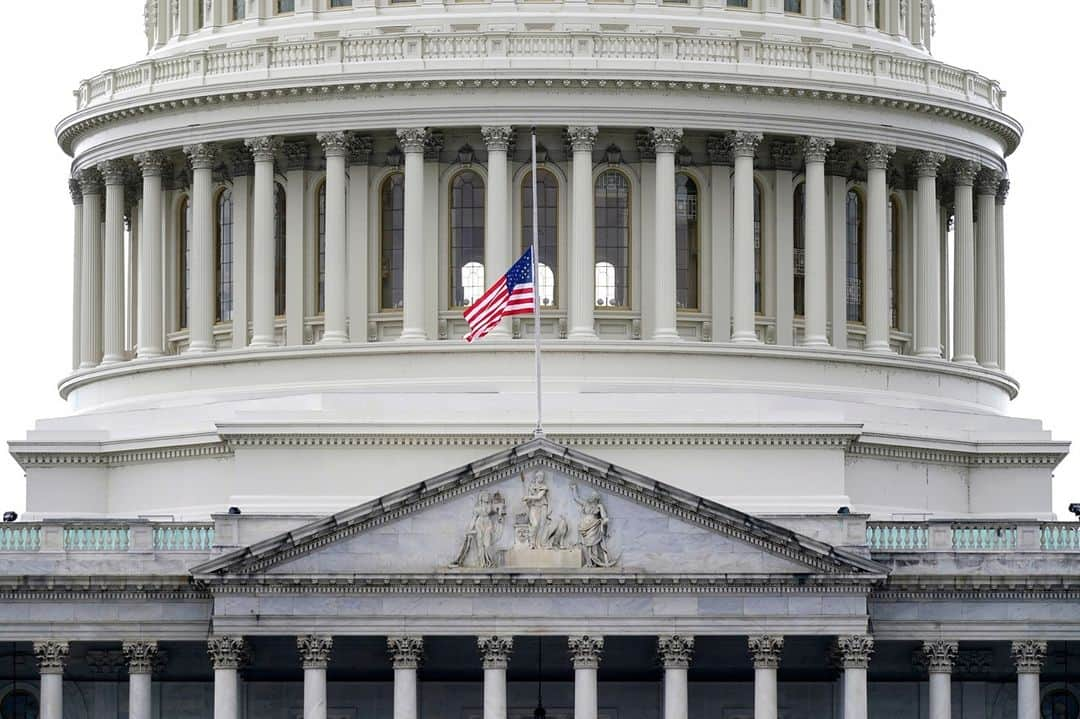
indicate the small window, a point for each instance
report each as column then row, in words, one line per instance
column 239, row 10
column 856, row 244
column 224, row 232
column 605, row 284
column 547, row 210
column 392, row 242
column 284, row 6
column 183, row 257
column 340, row 3
column 320, row 247
column 279, row 249
column 799, row 234
column 738, row 3
column 793, row 6
column 879, row 14
column 759, row 259
column 839, row 9
column 472, row 282
column 613, row 239
column 893, row 230
column 686, row 243
column 467, row 210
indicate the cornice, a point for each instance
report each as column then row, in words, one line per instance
column 968, row 454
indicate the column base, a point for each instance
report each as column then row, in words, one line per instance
column 965, row 360
column 149, row 354
column 665, row 335
column 816, row 342
column 334, row 338
column 258, row 343
column 879, row 348
column 745, row 338
column 197, row 348
column 87, row 365
column 990, row 366
column 929, row 353
column 581, row 334
column 412, row 335
column 113, row 359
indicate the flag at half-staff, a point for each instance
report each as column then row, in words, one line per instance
column 513, row 294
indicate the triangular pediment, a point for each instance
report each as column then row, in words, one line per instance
column 539, row 508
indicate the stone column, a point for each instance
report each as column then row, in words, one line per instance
column 964, row 265
column 585, row 653
column 296, row 220
column 263, row 151
column 784, row 157
column 201, row 311
column 940, row 656
column 743, row 146
column 498, row 245
column 815, row 150
column 76, row 295
column 359, row 159
column 140, row 660
column 335, row 330
column 150, row 336
column 986, row 300
column 114, row 172
column 496, row 653
column 720, row 185
column 582, row 265
column 227, row 653
column 999, row 231
column 765, row 651
column 837, row 169
column 243, row 167
column 855, row 654
column 90, row 321
column 927, row 258
column 51, row 659
column 315, row 655
column 405, row 653
column 877, row 249
column 412, row 144
column 675, row 654
column 1028, row 657
column 666, row 141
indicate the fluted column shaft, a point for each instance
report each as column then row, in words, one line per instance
column 964, row 265
column 585, row 653
column 412, row 144
column 359, row 173
column 140, row 660
column 817, row 258
column 263, row 246
column 928, row 259
column 497, row 237
column 495, row 652
column 77, row 262
column 721, row 196
column 201, row 310
column 405, row 654
column 226, row 654
column 999, row 231
column 743, row 145
column 765, row 651
column 1028, row 657
column 877, row 249
column 51, row 659
column 855, row 654
column 676, row 653
column 986, row 273
column 582, row 238
column 113, row 172
column 666, row 141
column 335, row 328
column 149, row 343
column 90, row 322
column 315, row 655
column 940, row 656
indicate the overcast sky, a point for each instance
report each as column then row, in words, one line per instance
column 1029, row 52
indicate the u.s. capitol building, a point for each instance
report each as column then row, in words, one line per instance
column 778, row 477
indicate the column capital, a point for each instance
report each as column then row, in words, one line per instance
column 405, row 652
column 90, row 181
column 878, row 155
column 51, row 657
column 360, row 147
column 227, row 652
column 765, row 651
column 495, row 651
column 140, row 656
column 334, row 144
column 315, row 650
column 1003, row 191
column 497, row 137
column 582, row 137
column 940, row 656
column 296, row 156
column 855, row 650
column 151, row 163
column 413, row 139
column 987, row 181
column 719, row 149
column 263, row 149
column 927, row 163
column 75, row 189
column 675, row 651
column 202, row 155
column 586, row 651
column 745, row 144
column 1029, row 656
column 666, row 139
column 964, row 173
column 113, row 172
column 816, row 149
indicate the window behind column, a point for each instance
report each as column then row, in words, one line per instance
column 238, row 10
column 547, row 207
column 392, row 242
column 320, row 248
column 738, row 3
column 612, row 240
column 856, row 246
column 200, row 15
column 799, row 235
column 223, row 236
column 687, row 243
column 183, row 262
column 894, row 235
column 759, row 254
column 879, row 14
column 284, row 6
column 466, row 238
column 279, row 249
column 19, row 704
column 839, row 9
column 340, row 3
column 793, row 6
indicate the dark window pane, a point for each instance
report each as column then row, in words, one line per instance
column 466, row 238
column 279, row 249
column 855, row 246
column 224, row 257
column 547, row 194
column 686, row 243
column 184, row 263
column 320, row 233
column 612, row 240
column 799, row 231
column 392, row 242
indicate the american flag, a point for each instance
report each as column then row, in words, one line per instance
column 512, row 295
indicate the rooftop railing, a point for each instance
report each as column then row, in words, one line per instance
column 105, row 537
column 973, row 536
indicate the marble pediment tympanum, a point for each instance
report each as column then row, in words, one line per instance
column 539, row 508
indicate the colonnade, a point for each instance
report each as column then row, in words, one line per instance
column 852, row 655
column 101, row 204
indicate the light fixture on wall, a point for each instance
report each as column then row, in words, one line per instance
column 540, row 712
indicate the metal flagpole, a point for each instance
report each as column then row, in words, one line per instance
column 539, row 432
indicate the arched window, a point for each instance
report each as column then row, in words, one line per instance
column 466, row 238
column 392, row 242
column 224, row 256
column 687, row 243
column 759, row 254
column 856, row 246
column 279, row 249
column 239, row 11
column 799, row 235
column 19, row 704
column 320, row 248
column 894, row 235
column 547, row 210
column 183, row 262
column 612, row 240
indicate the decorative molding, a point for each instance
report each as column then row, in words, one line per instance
column 855, row 650
column 586, row 651
column 1029, row 656
column 966, row 458
column 497, row 138
column 264, row 149
column 765, row 650
column 744, row 144
column 718, row 148
column 877, row 155
column 315, row 650
column 495, row 651
column 227, row 652
column 964, row 173
column 360, row 149
column 202, row 156
column 816, row 149
column 334, row 144
column 988, row 182
column 582, row 138
column 927, row 164
column 90, row 181
column 940, row 656
column 51, row 657
column 405, row 652
column 966, row 662
column 413, row 139
column 1003, row 192
column 121, row 457
column 296, row 156
column 140, row 656
column 75, row 189
column 784, row 155
column 675, row 651
column 151, row 164
column 666, row 139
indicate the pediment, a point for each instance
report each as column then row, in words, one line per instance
column 539, row 508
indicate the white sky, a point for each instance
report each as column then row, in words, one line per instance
column 1029, row 52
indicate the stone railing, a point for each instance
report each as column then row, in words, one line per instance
column 106, row 536
column 697, row 58
column 973, row 536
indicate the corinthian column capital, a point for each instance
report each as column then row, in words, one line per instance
column 816, row 149
column 263, row 149
column 675, row 651
column 855, row 650
column 1029, row 656
column 334, row 144
column 51, row 656
column 498, row 137
column 666, row 139
column 765, row 651
column 140, row 656
column 75, row 189
column 964, row 173
column 413, row 139
column 202, row 155
column 314, row 650
column 227, row 652
column 90, row 181
column 940, row 656
column 745, row 144
column 582, row 137
column 151, row 164
column 987, row 182
column 1003, row 191
column 927, row 163
column 586, row 651
column 495, row 651
column 405, row 652
column 878, row 155
column 114, row 172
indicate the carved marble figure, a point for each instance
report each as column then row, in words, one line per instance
column 593, row 531
column 484, row 532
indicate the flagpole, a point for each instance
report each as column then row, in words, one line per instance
column 539, row 432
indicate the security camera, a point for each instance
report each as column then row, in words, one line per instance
column 1075, row 509
column 11, row 516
